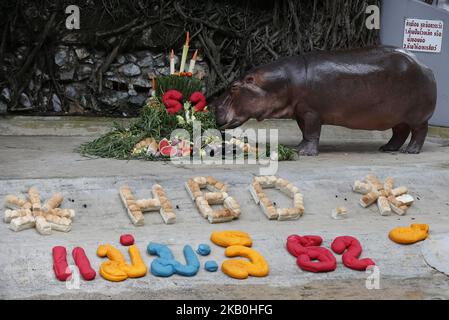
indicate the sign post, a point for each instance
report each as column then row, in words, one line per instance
column 423, row 35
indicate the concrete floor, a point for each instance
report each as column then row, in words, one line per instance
column 50, row 163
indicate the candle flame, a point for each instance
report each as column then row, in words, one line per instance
column 172, row 54
column 187, row 38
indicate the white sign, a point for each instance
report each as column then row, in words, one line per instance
column 423, row 35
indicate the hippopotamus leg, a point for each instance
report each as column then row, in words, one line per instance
column 419, row 133
column 400, row 134
column 310, row 126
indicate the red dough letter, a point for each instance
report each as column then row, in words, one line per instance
column 60, row 265
column 83, row 264
column 306, row 249
column 351, row 256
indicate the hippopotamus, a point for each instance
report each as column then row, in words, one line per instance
column 376, row 88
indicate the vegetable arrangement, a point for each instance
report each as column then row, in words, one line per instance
column 176, row 102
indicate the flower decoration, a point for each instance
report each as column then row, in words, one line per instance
column 172, row 101
column 198, row 100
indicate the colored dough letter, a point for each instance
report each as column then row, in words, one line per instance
column 352, row 254
column 306, row 249
column 83, row 264
column 241, row 269
column 60, row 266
column 408, row 235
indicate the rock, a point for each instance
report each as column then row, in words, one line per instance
column 138, row 100
column 129, row 70
column 114, row 98
column 66, row 60
column 67, row 75
column 131, row 91
column 62, row 56
column 146, row 62
column 121, row 59
column 159, row 60
column 6, row 94
column 165, row 71
column 83, row 101
column 56, row 102
column 3, row 107
column 71, row 92
column 136, row 82
column 84, row 71
column 82, row 53
column 130, row 57
column 25, row 101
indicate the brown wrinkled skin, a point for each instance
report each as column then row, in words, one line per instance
column 370, row 89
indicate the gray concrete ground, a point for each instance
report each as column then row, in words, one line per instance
column 50, row 163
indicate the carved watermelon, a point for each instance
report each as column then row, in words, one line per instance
column 163, row 143
column 169, row 151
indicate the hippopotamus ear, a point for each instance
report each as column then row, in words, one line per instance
column 250, row 79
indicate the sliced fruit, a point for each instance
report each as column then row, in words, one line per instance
column 169, row 151
column 163, row 143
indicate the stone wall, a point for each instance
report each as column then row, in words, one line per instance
column 125, row 84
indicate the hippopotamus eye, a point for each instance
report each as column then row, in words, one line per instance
column 235, row 86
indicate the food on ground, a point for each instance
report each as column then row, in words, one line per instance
column 136, row 207
column 126, row 240
column 166, row 265
column 309, row 255
column 60, row 265
column 267, row 206
column 83, row 264
column 211, row 266
column 116, row 268
column 203, row 249
column 388, row 198
column 351, row 249
column 25, row 214
column 217, row 195
column 408, row 235
column 339, row 213
column 228, row 238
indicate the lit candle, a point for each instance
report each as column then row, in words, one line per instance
column 153, row 87
column 185, row 50
column 193, row 61
column 172, row 62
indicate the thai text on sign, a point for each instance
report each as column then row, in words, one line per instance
column 423, row 35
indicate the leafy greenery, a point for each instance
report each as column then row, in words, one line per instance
column 185, row 85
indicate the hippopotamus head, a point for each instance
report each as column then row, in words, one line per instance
column 261, row 93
